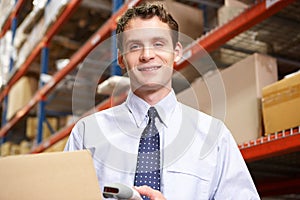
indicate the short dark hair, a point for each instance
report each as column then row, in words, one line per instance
column 147, row 11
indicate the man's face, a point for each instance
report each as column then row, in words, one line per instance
column 148, row 54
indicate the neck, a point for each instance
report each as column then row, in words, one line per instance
column 152, row 97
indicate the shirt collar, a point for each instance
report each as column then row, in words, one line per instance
column 139, row 108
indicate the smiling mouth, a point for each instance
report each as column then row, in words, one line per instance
column 150, row 68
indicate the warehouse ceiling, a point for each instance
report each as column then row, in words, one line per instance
column 277, row 36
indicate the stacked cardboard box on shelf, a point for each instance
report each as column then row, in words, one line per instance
column 281, row 104
column 32, row 126
column 5, row 149
column 29, row 32
column 15, row 149
column 243, row 83
column 20, row 94
column 25, row 147
column 190, row 19
column 32, row 40
column 53, row 11
column 6, row 54
column 33, row 28
column 6, row 7
column 230, row 10
column 9, row 148
column 59, row 146
column 27, row 25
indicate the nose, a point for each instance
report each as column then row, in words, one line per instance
column 147, row 54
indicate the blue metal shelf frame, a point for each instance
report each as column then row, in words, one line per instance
column 41, row 107
column 115, row 68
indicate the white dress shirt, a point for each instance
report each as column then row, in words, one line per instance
column 199, row 157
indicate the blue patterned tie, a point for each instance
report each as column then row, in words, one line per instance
column 148, row 161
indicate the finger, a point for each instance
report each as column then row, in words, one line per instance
column 149, row 192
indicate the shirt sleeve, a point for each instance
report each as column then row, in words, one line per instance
column 75, row 141
column 232, row 176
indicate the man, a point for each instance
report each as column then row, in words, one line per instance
column 195, row 158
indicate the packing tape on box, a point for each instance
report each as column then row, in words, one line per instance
column 282, row 95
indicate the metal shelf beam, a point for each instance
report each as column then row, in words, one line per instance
column 285, row 142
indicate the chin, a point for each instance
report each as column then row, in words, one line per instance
column 151, row 87
column 149, row 84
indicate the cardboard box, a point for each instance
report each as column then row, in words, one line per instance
column 15, row 149
column 6, row 52
column 59, row 146
column 243, row 83
column 6, row 148
column 32, row 40
column 49, row 176
column 25, row 147
column 53, row 10
column 20, row 94
column 235, row 3
column 281, row 104
column 189, row 19
column 226, row 13
column 32, row 125
column 6, row 7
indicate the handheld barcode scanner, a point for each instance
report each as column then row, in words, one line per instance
column 120, row 191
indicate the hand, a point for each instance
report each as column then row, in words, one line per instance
column 149, row 192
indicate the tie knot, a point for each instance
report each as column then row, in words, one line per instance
column 152, row 113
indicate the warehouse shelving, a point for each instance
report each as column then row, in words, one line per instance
column 98, row 37
column 283, row 142
column 11, row 22
column 41, row 46
column 274, row 145
column 218, row 36
column 112, row 101
column 11, row 17
column 243, row 22
column 209, row 42
column 279, row 154
column 46, row 39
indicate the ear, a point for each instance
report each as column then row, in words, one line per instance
column 121, row 60
column 178, row 52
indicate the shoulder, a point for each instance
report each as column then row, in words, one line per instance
column 198, row 116
column 206, row 125
column 103, row 115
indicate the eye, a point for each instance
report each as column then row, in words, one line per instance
column 158, row 44
column 134, row 47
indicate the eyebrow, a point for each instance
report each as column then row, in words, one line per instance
column 160, row 38
column 132, row 41
column 152, row 39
